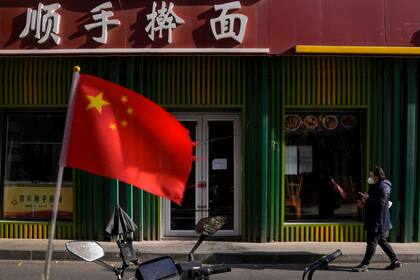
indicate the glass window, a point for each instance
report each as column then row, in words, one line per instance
column 31, row 167
column 324, row 164
column 183, row 216
column 221, row 173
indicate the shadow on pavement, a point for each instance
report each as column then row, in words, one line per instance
column 271, row 258
column 300, row 267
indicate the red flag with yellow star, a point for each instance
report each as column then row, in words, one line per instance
column 115, row 132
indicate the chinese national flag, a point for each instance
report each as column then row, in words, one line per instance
column 115, row 132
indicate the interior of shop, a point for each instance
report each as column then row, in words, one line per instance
column 324, row 165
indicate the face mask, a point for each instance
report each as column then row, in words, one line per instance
column 371, row 181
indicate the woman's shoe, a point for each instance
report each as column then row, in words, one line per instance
column 360, row 268
column 395, row 264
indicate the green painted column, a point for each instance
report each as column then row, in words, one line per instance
column 114, row 189
column 264, row 150
column 417, row 207
column 253, row 151
column 283, row 92
column 129, row 62
column 140, row 197
column 274, row 130
column 99, row 208
column 140, row 215
column 129, row 200
column 386, row 117
column 99, row 182
column 408, row 208
column 246, row 201
column 396, row 150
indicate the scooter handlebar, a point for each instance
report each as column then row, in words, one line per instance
column 197, row 273
column 329, row 258
column 219, row 268
column 325, row 260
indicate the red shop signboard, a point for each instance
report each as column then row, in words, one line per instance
column 134, row 26
column 203, row 26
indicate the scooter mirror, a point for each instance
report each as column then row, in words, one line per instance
column 86, row 250
column 210, row 225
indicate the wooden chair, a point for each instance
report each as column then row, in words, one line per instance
column 293, row 188
column 353, row 189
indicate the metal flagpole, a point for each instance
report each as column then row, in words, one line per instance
column 63, row 156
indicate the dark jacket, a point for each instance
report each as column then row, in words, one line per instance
column 377, row 218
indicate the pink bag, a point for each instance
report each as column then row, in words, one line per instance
column 338, row 190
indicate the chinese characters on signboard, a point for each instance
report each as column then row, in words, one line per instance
column 44, row 22
column 35, row 202
column 102, row 20
column 162, row 19
column 227, row 22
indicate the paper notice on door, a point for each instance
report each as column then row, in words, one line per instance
column 219, row 164
column 291, row 155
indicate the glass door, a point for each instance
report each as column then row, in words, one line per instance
column 213, row 187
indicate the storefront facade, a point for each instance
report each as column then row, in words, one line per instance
column 270, row 126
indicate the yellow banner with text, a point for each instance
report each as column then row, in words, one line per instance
column 36, row 201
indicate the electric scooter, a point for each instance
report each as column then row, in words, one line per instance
column 158, row 268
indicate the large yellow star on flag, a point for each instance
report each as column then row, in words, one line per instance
column 96, row 102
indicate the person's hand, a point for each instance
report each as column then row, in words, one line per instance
column 363, row 196
column 360, row 203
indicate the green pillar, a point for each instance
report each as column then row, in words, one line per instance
column 99, row 195
column 253, row 151
column 396, row 150
column 264, row 150
column 408, row 213
column 138, row 85
column 140, row 215
column 114, row 189
column 129, row 188
column 417, row 209
column 100, row 187
column 129, row 200
column 275, row 130
column 283, row 91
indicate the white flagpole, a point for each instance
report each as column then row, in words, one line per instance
column 63, row 157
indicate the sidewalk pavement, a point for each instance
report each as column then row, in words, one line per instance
column 216, row 251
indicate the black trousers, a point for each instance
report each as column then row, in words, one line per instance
column 372, row 240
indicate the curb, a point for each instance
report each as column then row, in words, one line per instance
column 229, row 258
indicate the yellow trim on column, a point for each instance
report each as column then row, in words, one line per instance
column 308, row 49
column 347, row 232
column 34, row 230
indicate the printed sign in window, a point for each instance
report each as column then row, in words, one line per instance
column 35, row 202
column 291, row 155
column 305, row 159
column 219, row 164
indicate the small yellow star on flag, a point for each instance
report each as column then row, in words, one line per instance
column 129, row 111
column 124, row 99
column 96, row 102
column 124, row 123
column 112, row 126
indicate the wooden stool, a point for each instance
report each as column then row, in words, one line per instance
column 293, row 188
